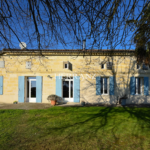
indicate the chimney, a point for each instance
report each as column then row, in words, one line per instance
column 84, row 43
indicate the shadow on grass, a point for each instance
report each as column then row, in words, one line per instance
column 83, row 128
column 112, row 124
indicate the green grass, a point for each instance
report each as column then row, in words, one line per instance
column 75, row 128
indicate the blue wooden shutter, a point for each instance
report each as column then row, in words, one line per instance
column 111, row 85
column 21, row 89
column 76, row 89
column 132, row 85
column 146, row 85
column 1, row 85
column 98, row 85
column 39, row 89
column 59, row 86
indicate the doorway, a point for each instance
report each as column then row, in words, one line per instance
column 31, row 89
column 68, row 89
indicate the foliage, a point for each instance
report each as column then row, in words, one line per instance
column 142, row 34
column 142, row 37
column 53, row 97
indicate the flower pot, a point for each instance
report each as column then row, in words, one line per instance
column 53, row 102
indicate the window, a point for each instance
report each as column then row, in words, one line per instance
column 138, row 86
column 145, row 67
column 109, row 65
column 2, row 64
column 104, row 85
column 102, row 66
column 66, row 65
column 28, row 65
column 137, row 66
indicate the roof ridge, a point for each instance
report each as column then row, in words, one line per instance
column 68, row 50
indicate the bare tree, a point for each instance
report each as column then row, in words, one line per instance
column 42, row 23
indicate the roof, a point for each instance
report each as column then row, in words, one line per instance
column 70, row 50
column 66, row 51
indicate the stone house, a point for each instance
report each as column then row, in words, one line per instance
column 97, row 76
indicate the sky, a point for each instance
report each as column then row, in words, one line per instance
column 19, row 26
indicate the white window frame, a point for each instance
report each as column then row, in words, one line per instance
column 136, row 83
column 102, row 93
column 68, row 78
column 30, row 99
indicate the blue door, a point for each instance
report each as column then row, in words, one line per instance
column 123, row 102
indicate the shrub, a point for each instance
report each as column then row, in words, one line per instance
column 53, row 97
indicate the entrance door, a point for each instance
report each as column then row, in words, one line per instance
column 31, row 89
column 68, row 89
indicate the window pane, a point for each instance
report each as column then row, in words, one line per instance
column 66, row 66
column 138, row 86
column 101, row 85
column 71, row 89
column 66, row 89
column 139, row 90
column 27, row 89
column 105, row 85
column 33, row 89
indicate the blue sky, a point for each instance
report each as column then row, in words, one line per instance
column 69, row 39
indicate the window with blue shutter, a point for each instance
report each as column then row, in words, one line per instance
column 132, row 85
column 98, row 85
column 21, row 89
column 38, row 89
column 146, row 85
column 76, row 89
column 59, row 86
column 1, row 85
column 111, row 85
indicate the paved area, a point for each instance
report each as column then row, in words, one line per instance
column 28, row 106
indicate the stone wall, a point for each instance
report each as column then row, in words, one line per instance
column 87, row 67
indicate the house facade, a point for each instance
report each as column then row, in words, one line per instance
column 97, row 76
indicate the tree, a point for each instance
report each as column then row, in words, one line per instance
column 41, row 23
column 142, row 37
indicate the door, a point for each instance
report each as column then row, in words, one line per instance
column 31, row 89
column 123, row 102
column 68, row 89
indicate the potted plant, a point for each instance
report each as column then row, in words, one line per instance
column 82, row 103
column 53, row 98
column 15, row 102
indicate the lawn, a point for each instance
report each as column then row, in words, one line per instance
column 75, row 128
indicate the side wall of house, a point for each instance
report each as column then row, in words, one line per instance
column 86, row 67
